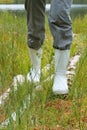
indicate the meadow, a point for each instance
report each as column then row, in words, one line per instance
column 43, row 110
column 6, row 1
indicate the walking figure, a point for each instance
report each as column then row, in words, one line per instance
column 61, row 27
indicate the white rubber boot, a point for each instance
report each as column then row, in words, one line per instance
column 60, row 80
column 35, row 71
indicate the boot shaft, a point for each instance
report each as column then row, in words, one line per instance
column 61, row 61
column 35, row 57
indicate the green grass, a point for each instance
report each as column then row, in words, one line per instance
column 44, row 109
column 6, row 1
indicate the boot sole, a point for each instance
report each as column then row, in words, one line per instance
column 60, row 92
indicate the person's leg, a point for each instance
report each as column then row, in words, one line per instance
column 36, row 23
column 61, row 28
column 36, row 34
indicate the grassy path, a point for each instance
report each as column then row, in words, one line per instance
column 46, row 110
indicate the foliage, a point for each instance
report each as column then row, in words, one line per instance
column 47, row 1
column 44, row 110
column 6, row 1
column 80, row 1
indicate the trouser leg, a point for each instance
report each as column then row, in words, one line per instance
column 35, row 22
column 61, row 28
column 60, row 23
column 35, row 36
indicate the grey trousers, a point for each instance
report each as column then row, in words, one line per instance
column 59, row 22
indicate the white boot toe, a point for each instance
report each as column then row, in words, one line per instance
column 60, row 85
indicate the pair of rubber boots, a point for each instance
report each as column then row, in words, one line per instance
column 61, row 61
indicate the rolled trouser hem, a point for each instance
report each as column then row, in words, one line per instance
column 35, row 45
column 62, row 48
